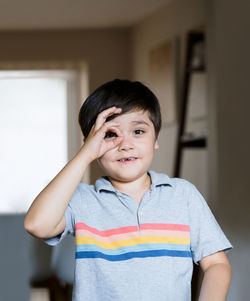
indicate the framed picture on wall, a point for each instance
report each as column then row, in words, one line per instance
column 163, row 74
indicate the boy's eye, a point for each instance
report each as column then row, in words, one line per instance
column 139, row 132
column 110, row 135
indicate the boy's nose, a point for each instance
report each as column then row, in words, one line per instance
column 125, row 144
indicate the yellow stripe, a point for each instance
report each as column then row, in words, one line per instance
column 132, row 242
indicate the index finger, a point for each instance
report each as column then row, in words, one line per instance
column 101, row 118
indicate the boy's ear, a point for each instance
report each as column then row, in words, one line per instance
column 156, row 146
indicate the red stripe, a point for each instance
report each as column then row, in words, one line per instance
column 174, row 227
column 107, row 232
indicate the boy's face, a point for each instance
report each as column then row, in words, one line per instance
column 138, row 144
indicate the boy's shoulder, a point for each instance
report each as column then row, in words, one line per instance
column 175, row 182
column 181, row 188
column 82, row 190
column 83, row 186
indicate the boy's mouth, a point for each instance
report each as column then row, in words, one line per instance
column 127, row 159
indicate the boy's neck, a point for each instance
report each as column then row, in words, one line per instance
column 138, row 186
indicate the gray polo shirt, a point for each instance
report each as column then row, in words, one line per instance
column 127, row 252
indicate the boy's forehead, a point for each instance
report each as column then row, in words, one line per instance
column 135, row 117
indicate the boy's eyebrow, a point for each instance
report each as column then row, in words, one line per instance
column 140, row 122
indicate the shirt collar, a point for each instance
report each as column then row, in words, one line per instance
column 157, row 179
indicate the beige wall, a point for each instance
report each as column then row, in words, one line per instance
column 106, row 51
column 174, row 20
column 229, row 94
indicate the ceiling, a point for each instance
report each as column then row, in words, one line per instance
column 72, row 14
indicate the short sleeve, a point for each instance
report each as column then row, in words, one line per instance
column 207, row 236
column 70, row 221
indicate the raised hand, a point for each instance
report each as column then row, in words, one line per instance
column 97, row 142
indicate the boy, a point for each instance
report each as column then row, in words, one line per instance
column 137, row 231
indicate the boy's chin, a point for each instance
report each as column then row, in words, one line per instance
column 125, row 176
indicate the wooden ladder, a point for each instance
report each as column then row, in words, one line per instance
column 193, row 38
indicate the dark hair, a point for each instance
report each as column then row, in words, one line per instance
column 125, row 94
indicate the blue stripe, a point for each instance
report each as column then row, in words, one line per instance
column 155, row 253
column 135, row 248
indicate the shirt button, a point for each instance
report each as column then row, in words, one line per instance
column 118, row 193
column 141, row 213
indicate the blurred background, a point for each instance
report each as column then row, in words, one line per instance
column 193, row 54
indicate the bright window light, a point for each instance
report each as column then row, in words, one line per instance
column 33, row 133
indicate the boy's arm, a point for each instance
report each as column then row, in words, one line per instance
column 217, row 277
column 45, row 217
